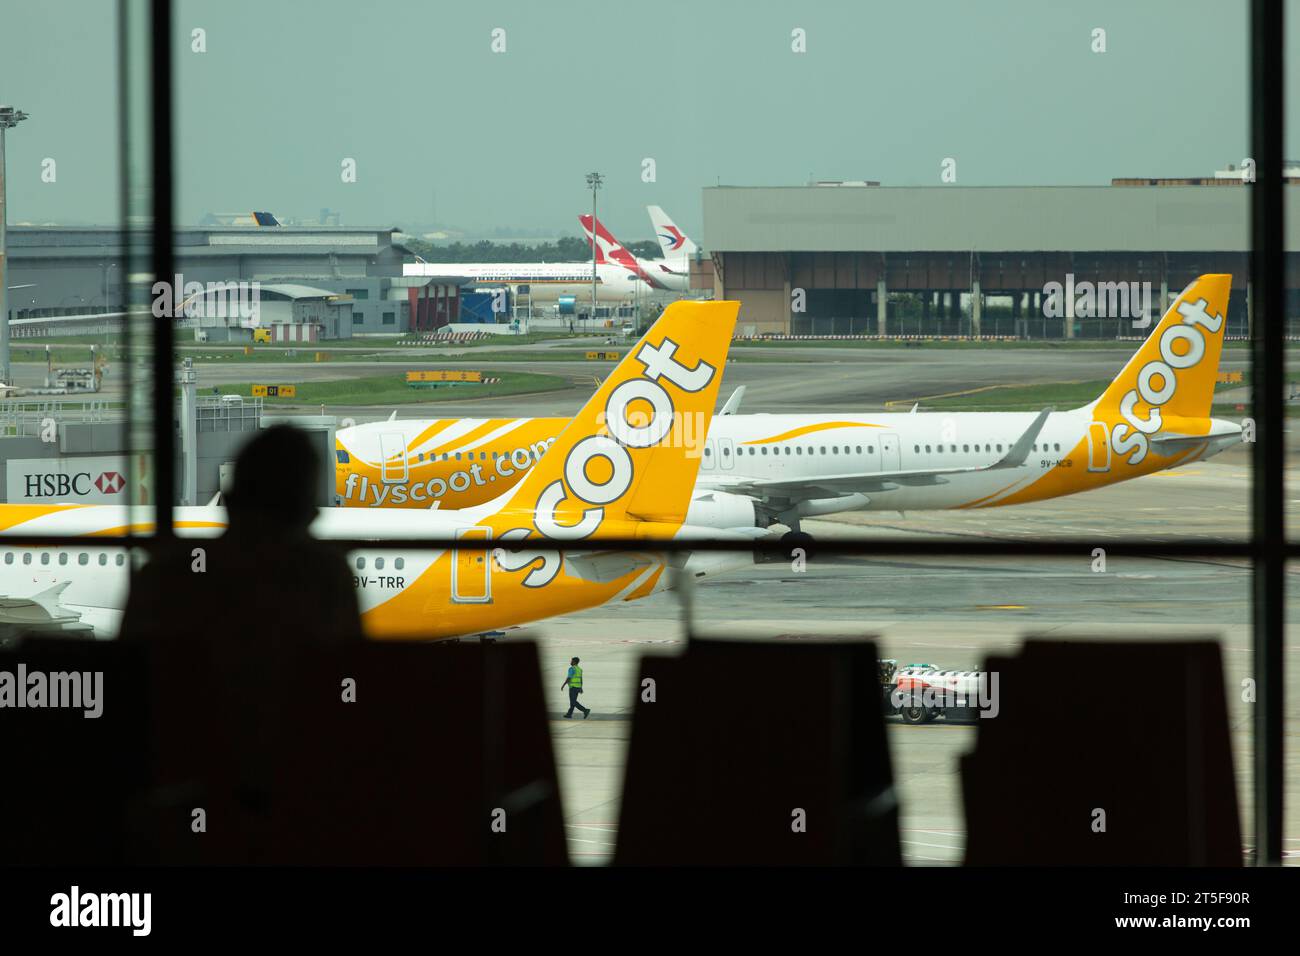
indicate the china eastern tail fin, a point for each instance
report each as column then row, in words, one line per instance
column 1174, row 372
column 631, row 454
column 674, row 243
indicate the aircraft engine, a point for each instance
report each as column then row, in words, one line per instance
column 721, row 510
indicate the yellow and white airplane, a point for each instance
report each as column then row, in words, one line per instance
column 760, row 470
column 623, row 467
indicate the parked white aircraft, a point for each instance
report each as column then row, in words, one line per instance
column 623, row 467
column 777, row 469
column 545, row 281
column 671, row 273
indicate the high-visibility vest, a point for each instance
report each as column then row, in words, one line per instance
column 576, row 679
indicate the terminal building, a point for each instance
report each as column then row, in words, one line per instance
column 859, row 258
column 68, row 270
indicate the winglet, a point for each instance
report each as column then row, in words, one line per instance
column 1016, row 456
column 732, row 405
column 51, row 594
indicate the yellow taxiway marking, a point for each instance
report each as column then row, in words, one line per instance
column 999, row 607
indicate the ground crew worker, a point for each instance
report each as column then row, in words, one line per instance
column 574, row 682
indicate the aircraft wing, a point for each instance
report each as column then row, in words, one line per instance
column 606, row 566
column 1170, row 443
column 40, row 612
column 835, row 485
column 732, row 405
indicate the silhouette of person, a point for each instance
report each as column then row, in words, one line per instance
column 223, row 617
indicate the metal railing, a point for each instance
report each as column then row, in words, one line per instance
column 31, row 418
column 212, row 414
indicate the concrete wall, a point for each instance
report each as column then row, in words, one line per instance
column 762, row 310
column 376, row 305
column 984, row 218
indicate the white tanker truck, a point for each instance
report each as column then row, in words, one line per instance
column 920, row 693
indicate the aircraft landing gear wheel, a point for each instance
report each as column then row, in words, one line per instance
column 915, row 714
column 798, row 539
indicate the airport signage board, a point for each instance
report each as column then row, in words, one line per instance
column 442, row 375
column 275, row 391
column 99, row 480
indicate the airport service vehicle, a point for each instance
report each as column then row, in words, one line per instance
column 624, row 467
column 672, row 272
column 921, row 693
column 765, row 470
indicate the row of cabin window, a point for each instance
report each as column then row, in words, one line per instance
column 469, row 456
column 83, row 558
column 798, row 450
column 447, row 456
column 857, row 449
column 1045, row 446
column 398, row 564
column 345, row 459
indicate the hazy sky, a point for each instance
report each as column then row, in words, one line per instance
column 709, row 89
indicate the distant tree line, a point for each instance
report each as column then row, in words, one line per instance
column 567, row 249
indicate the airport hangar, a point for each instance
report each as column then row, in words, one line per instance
column 973, row 260
column 79, row 270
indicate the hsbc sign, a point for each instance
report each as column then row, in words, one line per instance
column 110, row 482
column 96, row 480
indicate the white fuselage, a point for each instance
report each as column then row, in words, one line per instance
column 1068, row 452
column 827, row 463
column 98, row 577
column 546, row 281
column 671, row 274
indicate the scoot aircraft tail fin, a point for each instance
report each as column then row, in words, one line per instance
column 1173, row 374
column 632, row 453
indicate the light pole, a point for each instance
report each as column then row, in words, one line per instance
column 593, row 180
column 9, row 117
